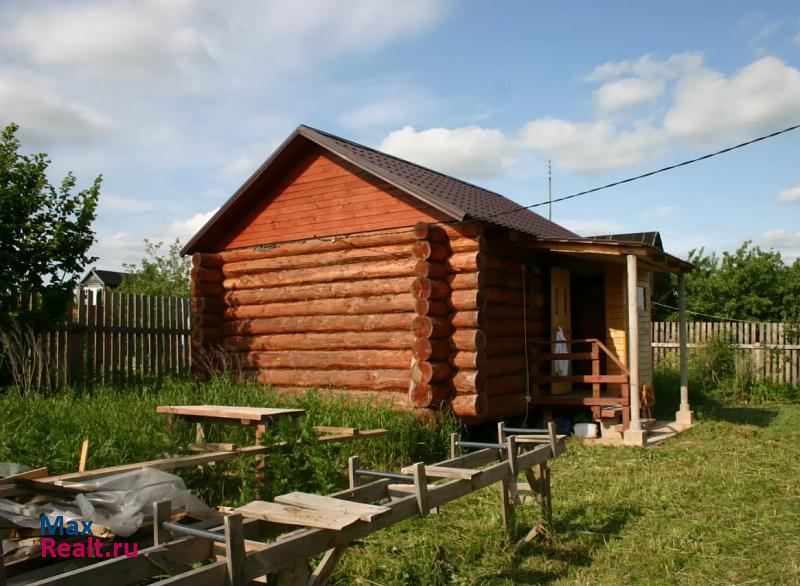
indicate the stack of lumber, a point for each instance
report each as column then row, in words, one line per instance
column 335, row 312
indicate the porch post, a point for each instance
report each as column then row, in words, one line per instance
column 684, row 416
column 634, row 434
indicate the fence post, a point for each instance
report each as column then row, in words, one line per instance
column 76, row 340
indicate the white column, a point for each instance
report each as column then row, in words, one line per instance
column 634, row 434
column 684, row 415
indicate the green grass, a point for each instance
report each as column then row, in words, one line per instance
column 719, row 504
column 122, row 427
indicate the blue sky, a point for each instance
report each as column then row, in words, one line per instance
column 176, row 103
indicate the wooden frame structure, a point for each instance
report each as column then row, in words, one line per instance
column 240, row 557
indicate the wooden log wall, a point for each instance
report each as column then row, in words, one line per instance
column 207, row 306
column 435, row 314
column 332, row 312
column 492, row 314
column 431, row 371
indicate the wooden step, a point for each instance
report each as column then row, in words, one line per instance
column 611, row 411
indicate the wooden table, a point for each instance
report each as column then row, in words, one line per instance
column 258, row 417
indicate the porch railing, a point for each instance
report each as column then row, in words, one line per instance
column 604, row 402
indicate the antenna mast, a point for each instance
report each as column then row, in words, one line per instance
column 549, row 191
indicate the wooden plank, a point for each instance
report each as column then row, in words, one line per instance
column 343, row 437
column 228, row 412
column 28, row 474
column 84, row 455
column 366, row 512
column 160, row 464
column 91, row 338
column 435, row 471
column 108, row 301
column 291, row 515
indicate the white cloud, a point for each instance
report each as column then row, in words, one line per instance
column 119, row 39
column 627, row 93
column 647, row 67
column 43, row 114
column 790, row 195
column 787, row 242
column 185, row 229
column 590, row 146
column 710, row 107
column 182, row 38
column 125, row 204
column 469, row 151
column 593, row 227
column 114, row 249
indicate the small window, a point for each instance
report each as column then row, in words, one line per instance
column 641, row 298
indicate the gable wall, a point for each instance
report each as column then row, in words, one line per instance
column 325, row 196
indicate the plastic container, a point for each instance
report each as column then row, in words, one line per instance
column 586, row 430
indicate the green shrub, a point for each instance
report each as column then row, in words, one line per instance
column 720, row 372
column 714, row 361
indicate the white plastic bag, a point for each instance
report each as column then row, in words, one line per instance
column 561, row 366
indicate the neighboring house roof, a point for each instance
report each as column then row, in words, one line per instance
column 453, row 197
column 649, row 238
column 103, row 277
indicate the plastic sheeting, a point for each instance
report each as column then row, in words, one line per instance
column 119, row 502
column 561, row 366
column 10, row 469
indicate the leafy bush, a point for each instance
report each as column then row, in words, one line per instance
column 714, row 361
column 718, row 372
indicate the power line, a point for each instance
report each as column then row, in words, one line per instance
column 719, row 317
column 663, row 169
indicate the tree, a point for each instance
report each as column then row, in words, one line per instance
column 159, row 273
column 45, row 236
column 748, row 284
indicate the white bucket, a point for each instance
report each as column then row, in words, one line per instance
column 587, row 430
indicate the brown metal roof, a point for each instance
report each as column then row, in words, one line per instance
column 455, row 198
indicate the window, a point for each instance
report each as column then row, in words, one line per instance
column 641, row 298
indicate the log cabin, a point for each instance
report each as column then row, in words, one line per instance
column 340, row 267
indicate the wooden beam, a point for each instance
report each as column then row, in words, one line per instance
column 234, row 550
column 324, row 569
column 421, row 488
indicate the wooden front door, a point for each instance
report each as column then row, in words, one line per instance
column 560, row 318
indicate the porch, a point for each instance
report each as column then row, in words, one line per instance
column 608, row 366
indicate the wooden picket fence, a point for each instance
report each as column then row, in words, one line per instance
column 773, row 347
column 115, row 336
